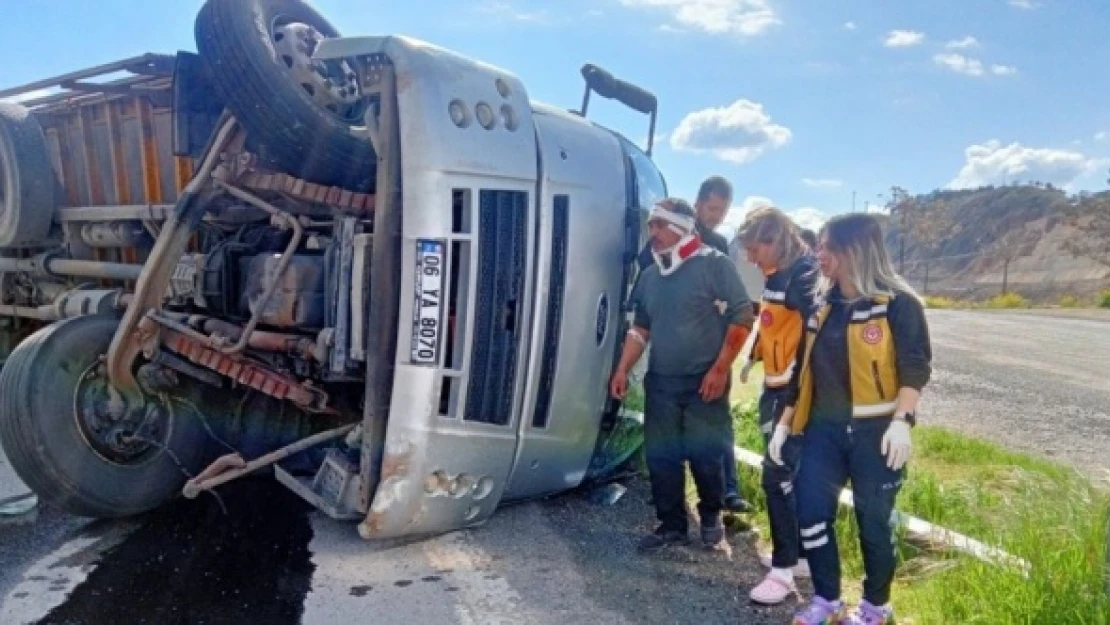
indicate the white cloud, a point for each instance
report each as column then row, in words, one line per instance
column 503, row 10
column 805, row 216
column 738, row 133
column 970, row 66
column 808, row 217
column 903, row 39
column 718, row 17
column 736, row 214
column 849, row 25
column 1102, row 136
column 1024, row 4
column 961, row 44
column 667, row 28
column 822, row 183
column 595, row 13
column 993, row 163
column 960, row 64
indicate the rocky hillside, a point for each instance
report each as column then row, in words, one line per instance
column 1039, row 240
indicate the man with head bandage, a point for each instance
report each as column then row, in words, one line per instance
column 693, row 309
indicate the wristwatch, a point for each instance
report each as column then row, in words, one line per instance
column 908, row 417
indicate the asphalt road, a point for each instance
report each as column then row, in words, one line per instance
column 1034, row 383
column 271, row 560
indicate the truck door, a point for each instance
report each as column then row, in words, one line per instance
column 585, row 193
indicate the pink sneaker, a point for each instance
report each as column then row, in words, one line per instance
column 868, row 614
column 773, row 590
column 820, row 612
column 801, row 570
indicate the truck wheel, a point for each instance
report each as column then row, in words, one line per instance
column 303, row 115
column 27, row 181
column 59, row 435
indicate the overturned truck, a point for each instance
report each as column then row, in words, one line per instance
column 370, row 260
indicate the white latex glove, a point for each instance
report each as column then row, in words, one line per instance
column 778, row 439
column 896, row 444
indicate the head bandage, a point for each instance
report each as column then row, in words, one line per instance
column 676, row 222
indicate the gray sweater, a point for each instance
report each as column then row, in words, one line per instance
column 689, row 311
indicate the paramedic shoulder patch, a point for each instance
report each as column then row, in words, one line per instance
column 872, row 333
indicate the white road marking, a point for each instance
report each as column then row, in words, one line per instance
column 48, row 582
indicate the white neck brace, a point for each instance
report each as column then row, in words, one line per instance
column 670, row 259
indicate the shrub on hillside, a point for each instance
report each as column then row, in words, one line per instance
column 938, row 301
column 1070, row 301
column 1104, row 299
column 1007, row 300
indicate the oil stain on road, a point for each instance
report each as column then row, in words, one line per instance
column 191, row 563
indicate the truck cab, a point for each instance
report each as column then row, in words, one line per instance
column 407, row 275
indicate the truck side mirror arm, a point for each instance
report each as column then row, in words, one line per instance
column 610, row 87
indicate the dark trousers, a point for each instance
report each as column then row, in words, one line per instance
column 732, row 487
column 778, row 482
column 831, row 455
column 678, row 427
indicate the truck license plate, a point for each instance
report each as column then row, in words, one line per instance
column 428, row 303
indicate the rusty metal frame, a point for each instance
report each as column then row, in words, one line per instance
column 147, row 69
column 382, row 321
column 171, row 244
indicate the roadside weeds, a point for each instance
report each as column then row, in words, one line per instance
column 1034, row 509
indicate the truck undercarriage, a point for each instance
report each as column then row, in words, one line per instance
column 201, row 264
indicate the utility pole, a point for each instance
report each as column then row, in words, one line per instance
column 902, row 246
column 853, row 201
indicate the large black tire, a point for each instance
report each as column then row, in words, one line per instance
column 27, row 182
column 48, row 450
column 236, row 43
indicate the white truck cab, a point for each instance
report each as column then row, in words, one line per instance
column 400, row 249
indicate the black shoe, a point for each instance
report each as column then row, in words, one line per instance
column 712, row 535
column 661, row 538
column 736, row 503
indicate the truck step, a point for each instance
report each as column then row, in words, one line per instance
column 334, row 490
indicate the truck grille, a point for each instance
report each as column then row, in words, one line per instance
column 556, row 284
column 502, row 223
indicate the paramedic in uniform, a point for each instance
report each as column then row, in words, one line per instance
column 865, row 361
column 774, row 244
column 692, row 307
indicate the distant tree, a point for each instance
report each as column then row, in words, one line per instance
column 927, row 223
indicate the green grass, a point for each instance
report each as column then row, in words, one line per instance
column 1033, row 509
column 1104, row 299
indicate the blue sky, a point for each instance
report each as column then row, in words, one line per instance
column 798, row 102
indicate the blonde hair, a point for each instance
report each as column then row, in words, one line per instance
column 771, row 226
column 857, row 241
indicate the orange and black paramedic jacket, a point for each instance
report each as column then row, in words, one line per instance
column 786, row 303
column 856, row 357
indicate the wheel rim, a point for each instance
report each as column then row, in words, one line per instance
column 114, row 432
column 332, row 85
